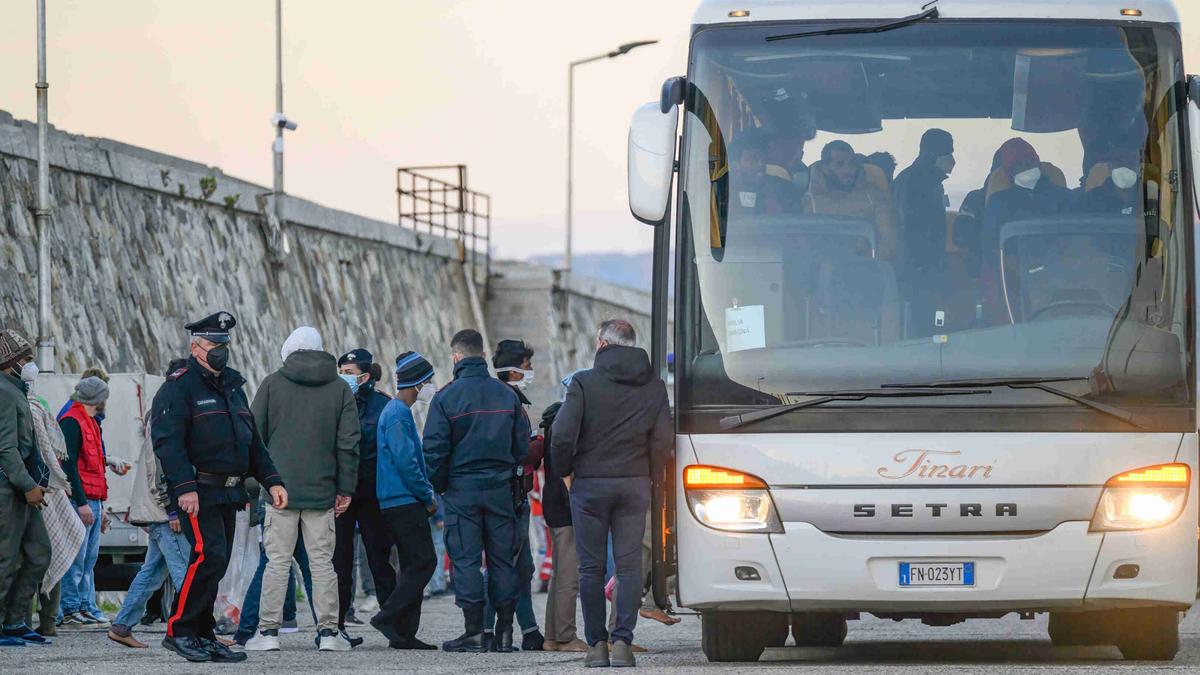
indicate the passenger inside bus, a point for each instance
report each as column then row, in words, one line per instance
column 968, row 224
column 921, row 202
column 755, row 185
column 843, row 185
column 1113, row 187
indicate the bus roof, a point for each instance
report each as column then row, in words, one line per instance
column 718, row 11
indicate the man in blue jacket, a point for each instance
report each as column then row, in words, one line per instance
column 476, row 435
column 406, row 500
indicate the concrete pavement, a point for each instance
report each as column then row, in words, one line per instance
column 873, row 646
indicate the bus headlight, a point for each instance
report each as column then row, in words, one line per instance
column 724, row 499
column 1143, row 498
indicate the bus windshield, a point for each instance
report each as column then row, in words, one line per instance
column 950, row 200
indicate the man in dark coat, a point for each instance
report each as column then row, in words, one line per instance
column 476, row 434
column 207, row 443
column 611, row 435
column 921, row 203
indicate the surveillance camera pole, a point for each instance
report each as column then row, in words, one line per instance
column 623, row 49
column 277, row 149
column 45, row 341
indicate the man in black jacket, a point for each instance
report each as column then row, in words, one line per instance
column 611, row 435
column 207, row 444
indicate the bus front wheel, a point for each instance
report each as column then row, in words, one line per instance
column 1146, row 634
column 741, row 636
column 818, row 629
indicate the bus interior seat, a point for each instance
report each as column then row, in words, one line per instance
column 857, row 299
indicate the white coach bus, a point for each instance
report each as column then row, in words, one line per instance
column 962, row 391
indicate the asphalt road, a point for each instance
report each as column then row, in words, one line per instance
column 873, row 646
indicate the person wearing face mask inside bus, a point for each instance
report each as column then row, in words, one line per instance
column 359, row 370
column 1119, row 194
column 921, row 203
column 513, row 363
column 407, row 500
column 1023, row 187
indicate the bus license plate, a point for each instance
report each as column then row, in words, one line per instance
column 937, row 574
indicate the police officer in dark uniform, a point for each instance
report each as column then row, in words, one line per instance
column 476, row 434
column 207, row 444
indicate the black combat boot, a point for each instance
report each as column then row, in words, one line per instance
column 472, row 638
column 504, row 630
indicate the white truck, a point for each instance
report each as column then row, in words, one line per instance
column 880, row 410
column 123, row 546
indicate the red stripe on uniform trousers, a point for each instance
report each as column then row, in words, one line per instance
column 191, row 574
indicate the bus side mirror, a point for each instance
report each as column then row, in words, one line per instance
column 651, row 161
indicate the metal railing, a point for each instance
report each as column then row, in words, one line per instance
column 437, row 201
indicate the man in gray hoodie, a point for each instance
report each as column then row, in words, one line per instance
column 309, row 420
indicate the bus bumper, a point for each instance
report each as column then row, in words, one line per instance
column 1066, row 568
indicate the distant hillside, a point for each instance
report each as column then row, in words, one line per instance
column 625, row 269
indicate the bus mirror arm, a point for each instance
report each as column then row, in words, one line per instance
column 673, row 91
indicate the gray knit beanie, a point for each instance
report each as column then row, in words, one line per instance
column 90, row 391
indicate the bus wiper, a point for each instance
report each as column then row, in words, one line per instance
column 1039, row 383
column 931, row 13
column 823, row 397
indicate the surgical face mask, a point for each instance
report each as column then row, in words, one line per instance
column 218, row 357
column 30, row 372
column 526, row 376
column 1124, row 177
column 351, row 380
column 425, row 394
column 1029, row 178
column 945, row 164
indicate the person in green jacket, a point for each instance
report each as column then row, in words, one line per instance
column 24, row 543
column 309, row 420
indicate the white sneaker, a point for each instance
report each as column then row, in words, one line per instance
column 369, row 604
column 263, row 643
column 332, row 641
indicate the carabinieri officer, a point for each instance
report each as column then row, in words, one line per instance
column 207, row 444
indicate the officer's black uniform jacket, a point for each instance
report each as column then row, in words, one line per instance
column 202, row 422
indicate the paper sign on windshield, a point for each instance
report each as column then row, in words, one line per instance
column 745, row 328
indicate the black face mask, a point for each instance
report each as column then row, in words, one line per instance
column 218, row 357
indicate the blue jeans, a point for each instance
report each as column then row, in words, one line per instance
column 79, row 584
column 437, row 583
column 525, row 616
column 166, row 554
column 248, row 624
column 600, row 507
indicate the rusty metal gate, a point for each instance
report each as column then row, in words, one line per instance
column 436, row 200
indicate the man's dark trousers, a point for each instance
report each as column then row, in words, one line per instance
column 600, row 506
column 479, row 521
column 378, row 544
column 409, row 525
column 210, row 533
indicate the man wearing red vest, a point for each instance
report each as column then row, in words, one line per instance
column 85, row 466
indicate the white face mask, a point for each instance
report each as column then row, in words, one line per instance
column 1124, row 177
column 526, row 379
column 425, row 394
column 945, row 163
column 1029, row 178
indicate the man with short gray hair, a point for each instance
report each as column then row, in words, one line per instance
column 612, row 433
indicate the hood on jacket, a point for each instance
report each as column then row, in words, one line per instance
column 624, row 365
column 472, row 366
column 310, row 368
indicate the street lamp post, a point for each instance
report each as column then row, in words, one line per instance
column 623, row 49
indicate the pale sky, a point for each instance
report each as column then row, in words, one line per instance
column 375, row 85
